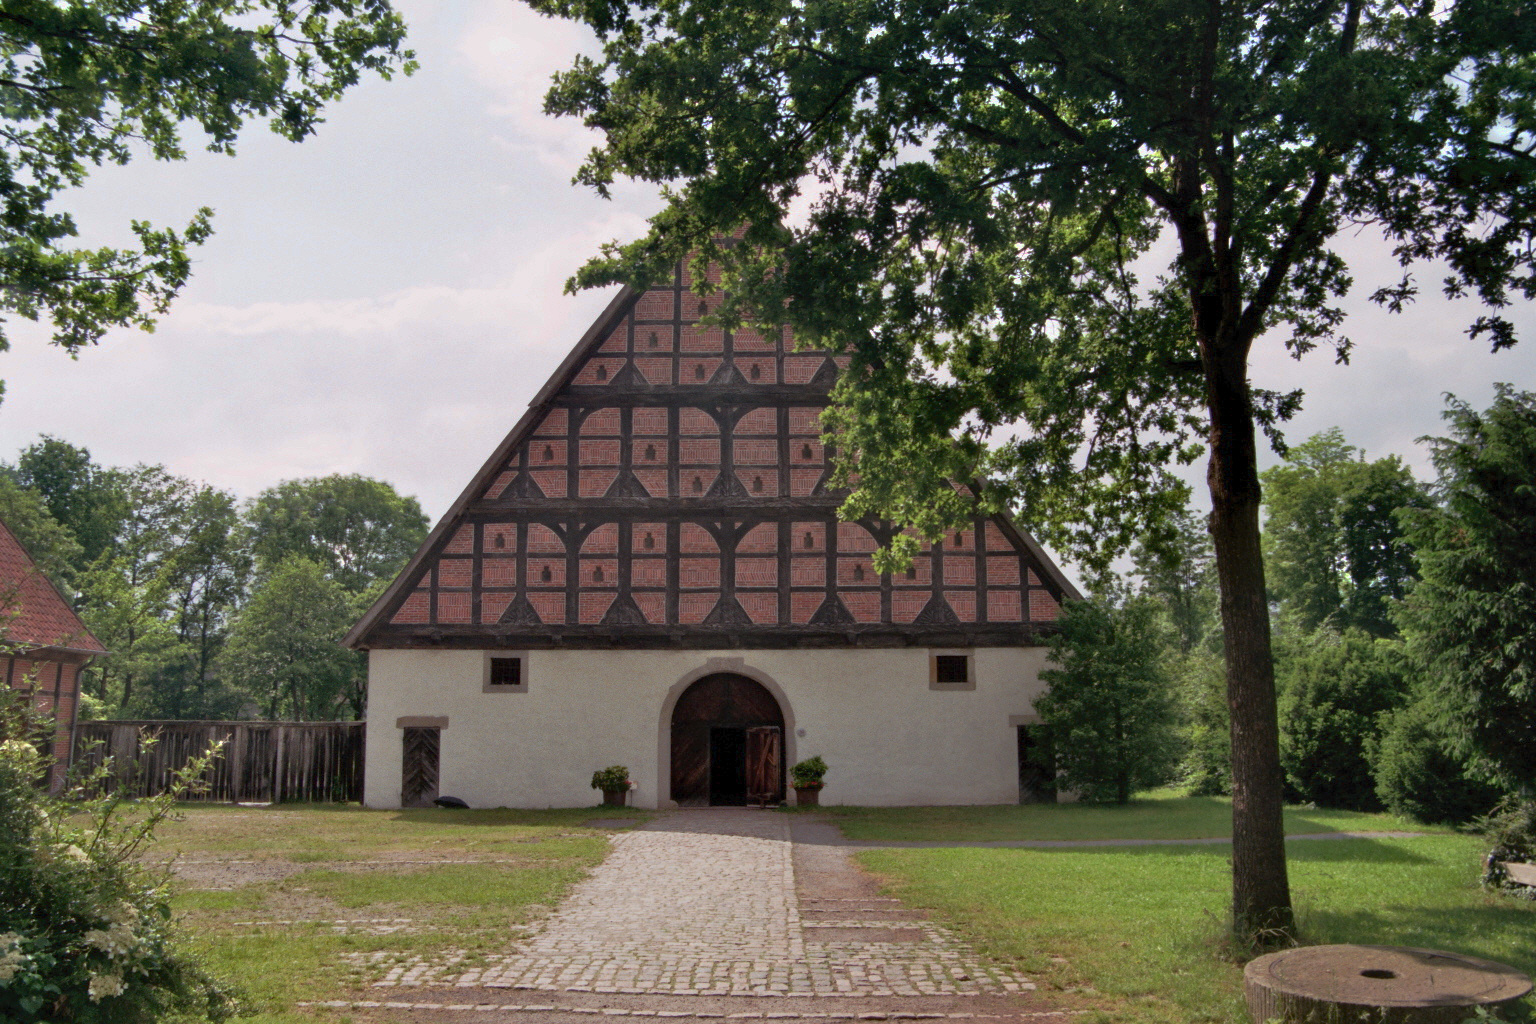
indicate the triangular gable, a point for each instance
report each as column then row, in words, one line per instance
column 668, row 487
column 33, row 614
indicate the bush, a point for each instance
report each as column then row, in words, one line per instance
column 85, row 931
column 1333, row 696
column 1512, row 835
column 1419, row 775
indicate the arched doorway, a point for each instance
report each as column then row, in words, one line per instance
column 727, row 743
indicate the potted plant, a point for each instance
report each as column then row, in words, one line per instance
column 807, row 779
column 614, row 782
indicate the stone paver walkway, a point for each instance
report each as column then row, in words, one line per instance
column 704, row 902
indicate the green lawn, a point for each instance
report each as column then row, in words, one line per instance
column 1137, row 932
column 1161, row 815
column 529, row 861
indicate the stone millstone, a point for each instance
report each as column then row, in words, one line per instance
column 1379, row 984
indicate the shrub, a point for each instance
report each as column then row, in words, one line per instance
column 85, row 931
column 1334, row 695
column 808, row 772
column 1419, row 775
column 1512, row 834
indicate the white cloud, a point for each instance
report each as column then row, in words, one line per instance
column 513, row 52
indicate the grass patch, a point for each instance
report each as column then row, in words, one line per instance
column 327, row 832
column 505, row 891
column 1159, row 815
column 351, row 864
column 1136, row 930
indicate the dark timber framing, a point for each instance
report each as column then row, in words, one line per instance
column 721, row 482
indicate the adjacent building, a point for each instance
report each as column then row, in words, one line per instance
column 44, row 645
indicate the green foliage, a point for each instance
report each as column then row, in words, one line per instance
column 613, row 777
column 1207, row 765
column 85, row 931
column 360, row 530
column 1512, row 832
column 1335, row 697
column 99, row 82
column 1177, row 568
column 53, row 547
column 285, row 645
column 79, row 494
column 962, row 199
column 1110, row 706
column 1469, row 619
column 985, row 180
column 1419, row 775
column 1334, row 552
column 809, row 772
column 174, row 561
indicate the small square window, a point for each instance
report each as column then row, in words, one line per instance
column 509, row 672
column 951, row 670
column 505, row 672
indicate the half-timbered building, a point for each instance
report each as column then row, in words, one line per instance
column 650, row 571
column 44, row 647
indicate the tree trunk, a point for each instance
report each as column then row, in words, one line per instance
column 1261, row 898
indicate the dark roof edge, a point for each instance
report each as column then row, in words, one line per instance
column 594, row 337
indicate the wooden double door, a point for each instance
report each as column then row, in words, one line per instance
column 727, row 744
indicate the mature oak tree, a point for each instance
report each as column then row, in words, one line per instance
column 99, row 81
column 974, row 186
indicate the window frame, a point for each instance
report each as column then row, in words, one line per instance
column 521, row 657
column 967, row 653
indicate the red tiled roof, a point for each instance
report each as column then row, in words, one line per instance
column 32, row 611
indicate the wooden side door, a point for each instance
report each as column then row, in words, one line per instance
column 765, row 764
column 418, row 769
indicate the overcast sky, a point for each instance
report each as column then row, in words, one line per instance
column 386, row 297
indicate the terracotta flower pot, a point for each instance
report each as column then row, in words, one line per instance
column 614, row 797
column 808, row 796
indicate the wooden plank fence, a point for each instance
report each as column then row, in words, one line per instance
column 262, row 762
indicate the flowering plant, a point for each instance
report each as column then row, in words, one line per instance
column 807, row 774
column 614, row 777
column 85, row 931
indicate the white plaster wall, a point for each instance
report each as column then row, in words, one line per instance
column 889, row 739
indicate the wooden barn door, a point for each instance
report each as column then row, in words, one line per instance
column 418, row 770
column 765, row 764
column 727, row 707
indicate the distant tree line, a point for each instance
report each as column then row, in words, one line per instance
column 1405, row 655
column 210, row 607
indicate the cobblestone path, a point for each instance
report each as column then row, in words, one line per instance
column 704, row 902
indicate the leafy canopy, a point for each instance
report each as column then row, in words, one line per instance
column 979, row 188
column 1333, row 544
column 360, row 529
column 102, row 81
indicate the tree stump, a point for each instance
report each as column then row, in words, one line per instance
column 1376, row 984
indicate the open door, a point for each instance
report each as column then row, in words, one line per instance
column 765, row 764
